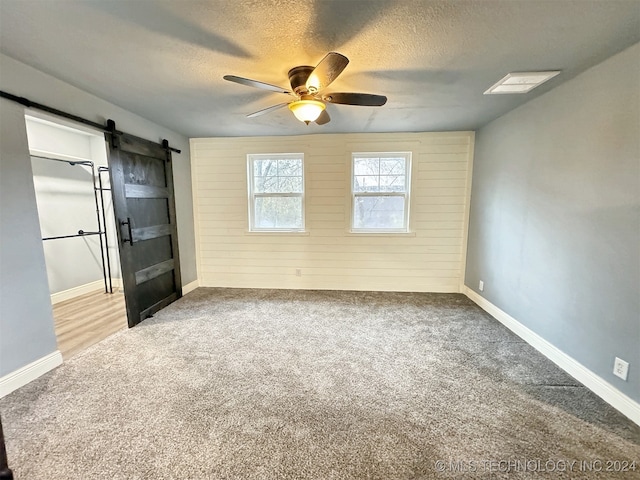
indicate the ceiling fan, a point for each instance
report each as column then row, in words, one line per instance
column 307, row 85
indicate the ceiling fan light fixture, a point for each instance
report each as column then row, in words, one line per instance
column 307, row 84
column 307, row 110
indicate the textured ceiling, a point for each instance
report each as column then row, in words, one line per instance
column 164, row 60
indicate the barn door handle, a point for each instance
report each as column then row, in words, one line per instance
column 128, row 223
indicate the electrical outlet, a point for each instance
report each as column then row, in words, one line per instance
column 298, row 272
column 481, row 286
column 621, row 368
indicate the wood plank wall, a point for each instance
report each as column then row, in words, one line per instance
column 429, row 259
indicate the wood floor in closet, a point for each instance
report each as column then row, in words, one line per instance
column 82, row 321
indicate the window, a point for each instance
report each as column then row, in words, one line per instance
column 380, row 192
column 276, row 192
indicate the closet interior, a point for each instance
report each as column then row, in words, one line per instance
column 71, row 181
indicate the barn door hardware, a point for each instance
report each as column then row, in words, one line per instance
column 128, row 224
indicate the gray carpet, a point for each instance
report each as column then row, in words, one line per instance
column 274, row 384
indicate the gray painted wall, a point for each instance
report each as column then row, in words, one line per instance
column 26, row 319
column 22, row 80
column 26, row 322
column 555, row 217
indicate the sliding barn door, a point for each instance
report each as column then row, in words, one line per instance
column 143, row 202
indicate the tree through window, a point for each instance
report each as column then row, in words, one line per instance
column 276, row 191
column 380, row 192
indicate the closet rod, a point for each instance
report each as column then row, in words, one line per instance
column 82, row 233
column 38, row 106
column 70, row 162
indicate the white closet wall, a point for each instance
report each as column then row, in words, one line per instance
column 65, row 199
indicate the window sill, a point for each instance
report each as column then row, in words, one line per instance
column 270, row 233
column 380, row 234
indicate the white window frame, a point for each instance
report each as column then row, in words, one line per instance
column 406, row 194
column 251, row 157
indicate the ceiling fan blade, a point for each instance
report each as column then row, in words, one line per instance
column 323, row 118
column 266, row 110
column 364, row 99
column 254, row 83
column 326, row 71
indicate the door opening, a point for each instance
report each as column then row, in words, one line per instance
column 71, row 181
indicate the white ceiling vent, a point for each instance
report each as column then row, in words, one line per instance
column 521, row 82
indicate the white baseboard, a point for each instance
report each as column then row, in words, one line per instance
column 29, row 372
column 81, row 290
column 593, row 382
column 190, row 287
